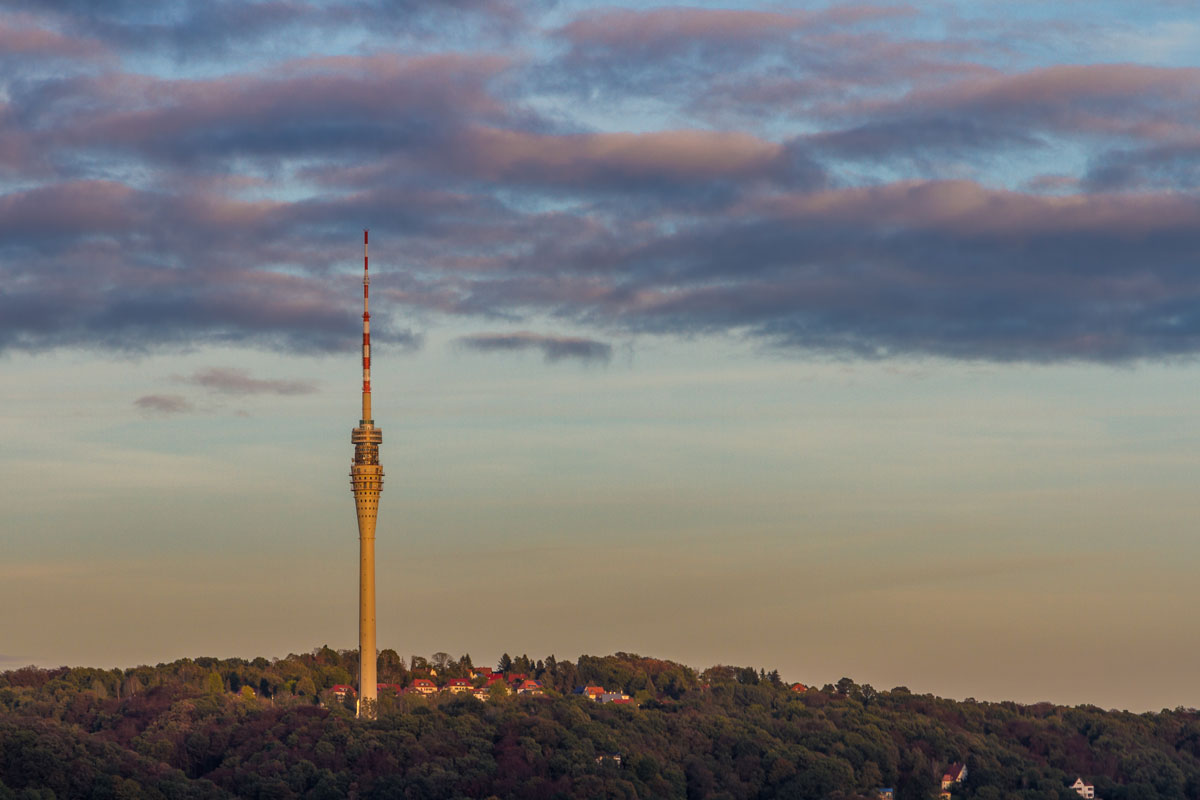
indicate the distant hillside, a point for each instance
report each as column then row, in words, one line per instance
column 209, row 728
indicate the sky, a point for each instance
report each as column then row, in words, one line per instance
column 844, row 339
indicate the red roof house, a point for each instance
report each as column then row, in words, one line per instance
column 953, row 774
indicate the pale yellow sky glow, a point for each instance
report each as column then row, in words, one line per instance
column 1001, row 532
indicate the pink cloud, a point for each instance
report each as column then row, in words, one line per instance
column 300, row 103
column 969, row 208
column 1066, row 83
column 681, row 154
column 671, row 28
column 164, row 404
column 629, row 29
column 230, row 380
column 75, row 206
column 23, row 35
column 1122, row 99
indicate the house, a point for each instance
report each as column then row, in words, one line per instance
column 480, row 672
column 954, row 773
column 591, row 692
column 458, row 685
column 609, row 758
column 394, row 688
column 423, row 686
column 340, row 691
column 482, row 693
column 495, row 677
column 799, row 687
column 887, row 793
column 517, row 677
column 1085, row 790
column 531, row 687
column 615, row 697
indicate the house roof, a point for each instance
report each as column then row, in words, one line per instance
column 423, row 682
column 954, row 772
column 458, row 682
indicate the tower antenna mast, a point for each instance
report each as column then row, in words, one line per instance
column 366, row 481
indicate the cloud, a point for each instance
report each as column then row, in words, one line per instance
column 23, row 36
column 211, row 29
column 818, row 181
column 927, row 268
column 229, row 380
column 553, row 348
column 634, row 38
column 932, row 268
column 164, row 404
column 659, row 31
column 758, row 63
column 997, row 113
column 1167, row 166
column 660, row 161
column 104, row 265
column 309, row 105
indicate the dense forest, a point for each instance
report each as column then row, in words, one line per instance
column 217, row 728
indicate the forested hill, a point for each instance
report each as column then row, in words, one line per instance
column 209, row 728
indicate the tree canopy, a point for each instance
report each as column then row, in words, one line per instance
column 216, row 728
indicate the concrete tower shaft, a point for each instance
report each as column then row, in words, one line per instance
column 366, row 481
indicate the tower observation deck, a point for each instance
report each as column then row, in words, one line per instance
column 366, row 481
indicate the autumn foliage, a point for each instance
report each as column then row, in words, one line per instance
column 209, row 728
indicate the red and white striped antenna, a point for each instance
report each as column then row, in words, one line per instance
column 366, row 387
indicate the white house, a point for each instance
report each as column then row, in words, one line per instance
column 1085, row 790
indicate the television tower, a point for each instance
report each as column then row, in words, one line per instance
column 366, row 481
